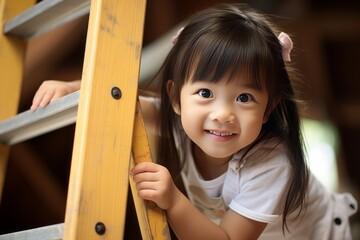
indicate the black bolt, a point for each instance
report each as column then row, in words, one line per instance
column 100, row 228
column 116, row 93
column 337, row 221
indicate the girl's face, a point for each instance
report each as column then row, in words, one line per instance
column 222, row 118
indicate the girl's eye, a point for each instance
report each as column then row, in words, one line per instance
column 205, row 93
column 245, row 97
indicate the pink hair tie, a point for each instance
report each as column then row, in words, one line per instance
column 287, row 46
column 176, row 37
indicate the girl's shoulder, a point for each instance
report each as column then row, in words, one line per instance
column 263, row 172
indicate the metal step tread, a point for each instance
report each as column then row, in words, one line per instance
column 45, row 16
column 51, row 232
column 29, row 124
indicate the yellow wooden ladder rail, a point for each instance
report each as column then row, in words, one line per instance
column 106, row 134
column 12, row 57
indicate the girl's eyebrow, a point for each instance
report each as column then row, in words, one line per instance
column 252, row 86
column 244, row 82
column 248, row 83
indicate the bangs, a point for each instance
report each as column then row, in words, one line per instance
column 231, row 54
column 236, row 46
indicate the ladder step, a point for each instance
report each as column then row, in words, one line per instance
column 51, row 232
column 45, row 16
column 29, row 124
column 62, row 112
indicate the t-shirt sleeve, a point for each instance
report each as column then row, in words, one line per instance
column 262, row 190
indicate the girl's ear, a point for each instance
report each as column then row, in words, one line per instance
column 270, row 110
column 266, row 117
column 170, row 92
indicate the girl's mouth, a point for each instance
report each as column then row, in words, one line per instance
column 221, row 134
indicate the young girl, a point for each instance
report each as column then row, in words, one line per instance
column 230, row 128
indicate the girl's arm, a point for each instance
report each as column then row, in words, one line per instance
column 154, row 183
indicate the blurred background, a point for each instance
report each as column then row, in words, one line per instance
column 326, row 34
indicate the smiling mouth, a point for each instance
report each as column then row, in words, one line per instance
column 221, row 134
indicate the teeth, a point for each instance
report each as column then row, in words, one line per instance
column 221, row 134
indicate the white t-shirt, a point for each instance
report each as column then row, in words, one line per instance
column 257, row 192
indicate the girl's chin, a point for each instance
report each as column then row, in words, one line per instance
column 216, row 154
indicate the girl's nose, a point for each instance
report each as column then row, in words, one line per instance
column 223, row 114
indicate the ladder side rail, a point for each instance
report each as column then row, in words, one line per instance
column 12, row 57
column 98, row 185
column 152, row 219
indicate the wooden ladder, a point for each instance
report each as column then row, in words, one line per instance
column 110, row 136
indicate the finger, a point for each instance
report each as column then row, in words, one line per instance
column 34, row 107
column 145, row 176
column 57, row 95
column 145, row 167
column 37, row 99
column 147, row 194
column 46, row 98
column 145, row 185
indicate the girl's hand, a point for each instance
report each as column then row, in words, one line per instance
column 51, row 90
column 154, row 183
